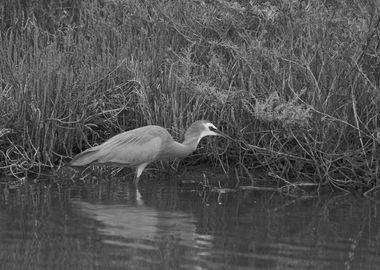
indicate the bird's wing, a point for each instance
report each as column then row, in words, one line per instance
column 133, row 147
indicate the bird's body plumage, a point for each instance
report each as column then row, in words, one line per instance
column 141, row 146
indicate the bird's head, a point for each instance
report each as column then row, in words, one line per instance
column 202, row 128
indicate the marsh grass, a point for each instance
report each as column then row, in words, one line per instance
column 296, row 84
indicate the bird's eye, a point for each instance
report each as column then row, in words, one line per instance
column 212, row 128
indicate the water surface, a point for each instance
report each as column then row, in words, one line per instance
column 106, row 224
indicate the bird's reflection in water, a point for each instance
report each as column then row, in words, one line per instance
column 139, row 226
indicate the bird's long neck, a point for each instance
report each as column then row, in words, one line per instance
column 180, row 150
column 191, row 143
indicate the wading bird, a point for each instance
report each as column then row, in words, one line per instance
column 138, row 147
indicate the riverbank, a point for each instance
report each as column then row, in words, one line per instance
column 296, row 86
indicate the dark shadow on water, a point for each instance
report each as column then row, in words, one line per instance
column 108, row 224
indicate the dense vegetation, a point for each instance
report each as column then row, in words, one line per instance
column 295, row 82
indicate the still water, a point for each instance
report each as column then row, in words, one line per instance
column 106, row 224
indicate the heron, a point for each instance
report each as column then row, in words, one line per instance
column 138, row 147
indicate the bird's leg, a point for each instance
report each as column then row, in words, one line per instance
column 139, row 171
column 136, row 180
column 138, row 197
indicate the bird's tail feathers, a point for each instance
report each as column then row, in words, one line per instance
column 85, row 158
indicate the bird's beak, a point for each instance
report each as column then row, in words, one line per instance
column 219, row 133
